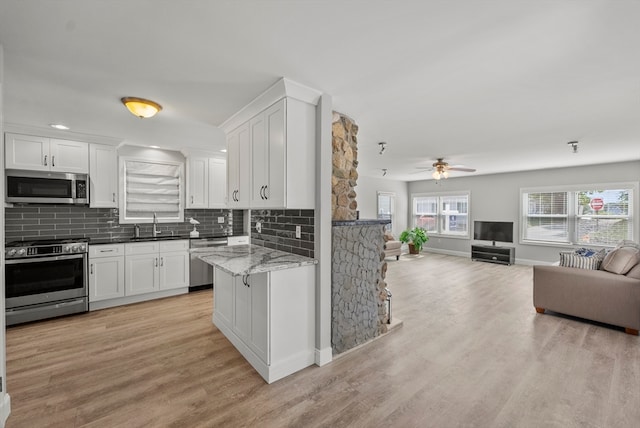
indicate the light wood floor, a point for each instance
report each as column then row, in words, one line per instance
column 472, row 352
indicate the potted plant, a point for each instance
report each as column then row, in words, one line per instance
column 415, row 237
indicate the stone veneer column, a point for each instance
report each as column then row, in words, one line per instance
column 359, row 311
column 345, row 164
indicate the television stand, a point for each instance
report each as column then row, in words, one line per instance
column 493, row 254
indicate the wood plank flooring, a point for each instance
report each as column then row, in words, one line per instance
column 472, row 353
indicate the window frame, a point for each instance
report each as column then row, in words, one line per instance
column 392, row 207
column 439, row 216
column 573, row 216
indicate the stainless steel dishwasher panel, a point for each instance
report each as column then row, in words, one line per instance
column 201, row 273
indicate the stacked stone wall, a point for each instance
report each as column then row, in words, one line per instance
column 345, row 164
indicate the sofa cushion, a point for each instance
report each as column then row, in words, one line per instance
column 577, row 260
column 621, row 260
column 392, row 245
column 634, row 272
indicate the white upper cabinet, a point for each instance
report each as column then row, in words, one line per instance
column 281, row 162
column 45, row 154
column 197, row 182
column 217, row 183
column 103, row 176
column 206, row 182
column 238, row 167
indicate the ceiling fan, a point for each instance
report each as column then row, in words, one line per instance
column 441, row 169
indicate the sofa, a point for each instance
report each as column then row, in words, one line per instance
column 609, row 293
column 392, row 247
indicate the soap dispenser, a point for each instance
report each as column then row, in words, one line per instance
column 194, row 233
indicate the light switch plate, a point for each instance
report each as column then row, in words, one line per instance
column 220, row 219
column 298, row 231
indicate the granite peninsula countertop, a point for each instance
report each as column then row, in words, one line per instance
column 250, row 259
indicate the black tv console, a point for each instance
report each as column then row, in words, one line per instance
column 493, row 254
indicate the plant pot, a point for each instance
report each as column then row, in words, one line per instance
column 413, row 250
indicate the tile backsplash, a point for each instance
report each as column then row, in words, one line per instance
column 279, row 230
column 63, row 221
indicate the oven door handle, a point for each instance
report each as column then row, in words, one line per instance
column 43, row 259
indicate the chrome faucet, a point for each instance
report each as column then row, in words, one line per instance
column 155, row 231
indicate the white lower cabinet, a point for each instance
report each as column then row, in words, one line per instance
column 269, row 317
column 106, row 272
column 140, row 271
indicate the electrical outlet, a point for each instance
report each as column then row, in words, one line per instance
column 298, row 232
column 220, row 219
column 258, row 227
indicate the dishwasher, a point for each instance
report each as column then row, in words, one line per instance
column 201, row 273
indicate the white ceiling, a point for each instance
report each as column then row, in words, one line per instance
column 497, row 85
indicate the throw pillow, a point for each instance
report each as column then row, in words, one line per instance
column 575, row 259
column 621, row 260
column 388, row 236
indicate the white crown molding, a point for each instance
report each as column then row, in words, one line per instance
column 282, row 88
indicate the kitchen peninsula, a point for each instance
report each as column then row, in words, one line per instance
column 264, row 303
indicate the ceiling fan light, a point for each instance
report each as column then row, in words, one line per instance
column 141, row 107
column 445, row 174
column 436, row 175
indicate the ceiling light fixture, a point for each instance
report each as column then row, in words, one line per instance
column 224, row 150
column 141, row 107
column 574, row 146
column 383, row 147
column 440, row 172
column 59, row 126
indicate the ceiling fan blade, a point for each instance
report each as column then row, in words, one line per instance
column 457, row 168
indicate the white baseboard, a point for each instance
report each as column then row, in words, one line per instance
column 323, row 356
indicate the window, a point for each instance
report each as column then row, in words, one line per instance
column 586, row 215
column 442, row 214
column 386, row 208
column 151, row 188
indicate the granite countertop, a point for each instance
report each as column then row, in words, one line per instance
column 125, row 240
column 250, row 259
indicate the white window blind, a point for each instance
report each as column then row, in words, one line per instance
column 152, row 188
column 578, row 216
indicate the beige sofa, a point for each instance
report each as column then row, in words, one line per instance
column 609, row 296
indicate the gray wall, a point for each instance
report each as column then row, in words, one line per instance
column 497, row 198
column 368, row 199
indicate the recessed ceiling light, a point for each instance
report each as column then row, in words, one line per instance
column 155, row 147
column 59, row 126
column 224, row 150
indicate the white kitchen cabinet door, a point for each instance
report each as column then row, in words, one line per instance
column 103, row 176
column 259, row 161
column 259, row 315
column 69, row 156
column 242, row 308
column 141, row 274
column 238, row 167
column 27, row 152
column 217, row 183
column 198, row 182
column 223, row 297
column 276, row 169
column 174, row 270
column 106, row 278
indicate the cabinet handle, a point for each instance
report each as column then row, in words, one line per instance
column 53, row 161
column 91, row 266
column 245, row 280
column 156, row 259
column 262, row 194
column 45, row 160
column 113, row 197
column 192, row 199
column 265, row 191
column 161, row 261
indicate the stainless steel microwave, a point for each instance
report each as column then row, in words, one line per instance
column 42, row 187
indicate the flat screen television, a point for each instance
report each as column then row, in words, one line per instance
column 501, row 231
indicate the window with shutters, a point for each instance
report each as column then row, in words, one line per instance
column 585, row 215
column 152, row 187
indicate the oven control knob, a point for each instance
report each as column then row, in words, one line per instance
column 11, row 252
column 67, row 249
column 22, row 252
column 82, row 248
column 74, row 248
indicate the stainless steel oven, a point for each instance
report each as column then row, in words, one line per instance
column 45, row 279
